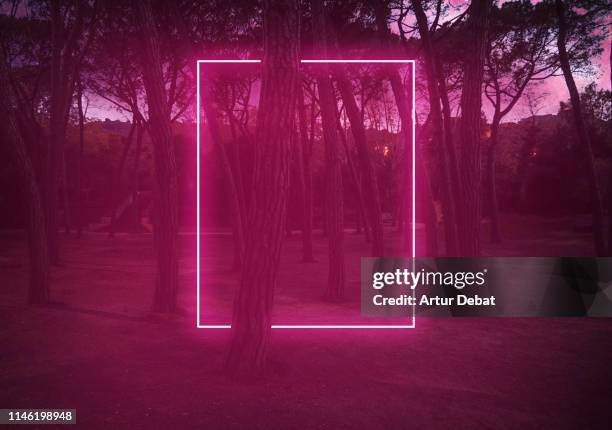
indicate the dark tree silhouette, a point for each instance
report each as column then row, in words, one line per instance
column 440, row 119
column 333, row 177
column 80, row 215
column 166, row 187
column 470, row 128
column 304, row 173
column 212, row 119
column 251, row 320
column 370, row 182
column 35, row 223
column 519, row 53
column 599, row 236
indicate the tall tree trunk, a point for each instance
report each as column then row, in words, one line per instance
column 251, row 321
column 304, row 174
column 493, row 202
column 403, row 102
column 166, row 190
column 470, row 128
column 333, row 177
column 35, row 223
column 80, row 215
column 370, row 181
column 56, row 141
column 599, row 237
column 212, row 117
column 442, row 133
column 63, row 63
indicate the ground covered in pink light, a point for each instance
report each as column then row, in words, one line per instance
column 104, row 354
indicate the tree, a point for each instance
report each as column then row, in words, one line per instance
column 370, row 183
column 166, row 189
column 333, row 177
column 470, row 128
column 251, row 320
column 304, row 174
column 518, row 53
column 35, row 223
column 403, row 99
column 212, row 119
column 440, row 119
column 599, row 236
column 72, row 32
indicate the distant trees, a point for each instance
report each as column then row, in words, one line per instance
column 520, row 51
column 313, row 127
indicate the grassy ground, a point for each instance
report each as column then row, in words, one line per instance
column 104, row 354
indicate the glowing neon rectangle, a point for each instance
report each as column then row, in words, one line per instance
column 413, row 203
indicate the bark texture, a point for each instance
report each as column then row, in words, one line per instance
column 370, row 181
column 440, row 116
column 470, row 129
column 333, row 175
column 304, row 167
column 251, row 323
column 166, row 187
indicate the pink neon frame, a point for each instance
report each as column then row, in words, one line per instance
column 413, row 244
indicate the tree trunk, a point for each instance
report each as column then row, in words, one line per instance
column 333, row 176
column 237, row 216
column 493, row 203
column 470, row 129
column 370, row 181
column 35, row 223
column 80, row 215
column 403, row 102
column 56, row 141
column 63, row 63
column 236, row 169
column 267, row 213
column 166, row 190
column 304, row 174
column 599, row 237
column 450, row 176
column 357, row 181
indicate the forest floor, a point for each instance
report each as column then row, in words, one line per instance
column 103, row 353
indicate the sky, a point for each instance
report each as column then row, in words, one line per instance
column 554, row 87
column 557, row 90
